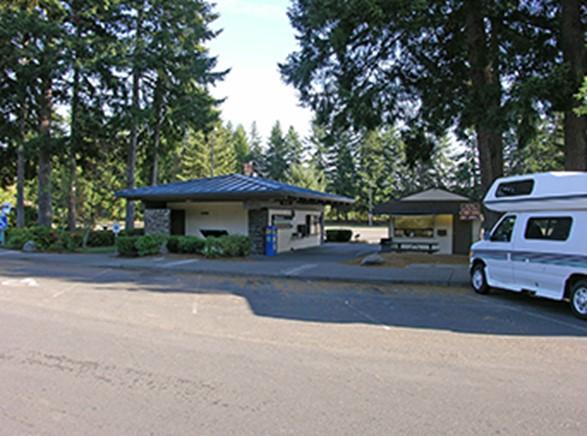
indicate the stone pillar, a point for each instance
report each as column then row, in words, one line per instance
column 258, row 220
column 157, row 221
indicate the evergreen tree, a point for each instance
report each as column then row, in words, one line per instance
column 276, row 163
column 193, row 157
column 293, row 147
column 318, row 148
column 307, row 176
column 372, row 176
column 222, row 157
column 256, row 147
column 342, row 173
column 241, row 148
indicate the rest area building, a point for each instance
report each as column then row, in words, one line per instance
column 237, row 204
column 444, row 221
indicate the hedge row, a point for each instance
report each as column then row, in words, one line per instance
column 133, row 246
column 224, row 246
column 45, row 239
column 338, row 235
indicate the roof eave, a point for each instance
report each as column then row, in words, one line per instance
column 232, row 196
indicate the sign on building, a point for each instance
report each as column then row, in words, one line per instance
column 470, row 211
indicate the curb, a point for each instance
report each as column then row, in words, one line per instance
column 375, row 280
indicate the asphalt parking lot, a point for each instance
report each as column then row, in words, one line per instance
column 108, row 351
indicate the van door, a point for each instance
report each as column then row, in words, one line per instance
column 498, row 257
column 539, row 263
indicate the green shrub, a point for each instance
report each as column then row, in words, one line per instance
column 224, row 246
column 16, row 238
column 213, row 247
column 132, row 232
column 45, row 238
column 173, row 244
column 69, row 241
column 125, row 245
column 339, row 235
column 191, row 245
column 149, row 244
column 235, row 245
column 100, row 238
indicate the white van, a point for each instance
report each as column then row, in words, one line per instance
column 540, row 243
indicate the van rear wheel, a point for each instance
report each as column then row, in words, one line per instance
column 479, row 280
column 579, row 299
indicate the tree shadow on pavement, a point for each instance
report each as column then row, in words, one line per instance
column 418, row 307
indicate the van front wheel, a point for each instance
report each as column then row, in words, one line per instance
column 479, row 280
column 579, row 299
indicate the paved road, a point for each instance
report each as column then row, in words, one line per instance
column 107, row 351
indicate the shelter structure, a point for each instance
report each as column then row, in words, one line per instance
column 237, row 204
column 443, row 221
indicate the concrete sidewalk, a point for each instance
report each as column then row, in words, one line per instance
column 303, row 268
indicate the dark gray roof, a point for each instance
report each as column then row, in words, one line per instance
column 230, row 187
column 423, row 203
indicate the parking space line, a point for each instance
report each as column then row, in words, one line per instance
column 75, row 285
column 179, row 263
column 366, row 315
column 298, row 269
column 538, row 315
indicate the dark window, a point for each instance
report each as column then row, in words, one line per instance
column 213, row 233
column 413, row 233
column 549, row 228
column 514, row 189
column 503, row 232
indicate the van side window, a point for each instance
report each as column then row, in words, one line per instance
column 503, row 232
column 549, row 228
column 514, row 189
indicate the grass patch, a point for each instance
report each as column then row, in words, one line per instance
column 98, row 250
column 402, row 260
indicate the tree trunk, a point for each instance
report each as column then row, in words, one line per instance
column 486, row 96
column 74, row 146
column 573, row 48
column 158, row 107
column 45, row 112
column 134, row 132
column 20, row 166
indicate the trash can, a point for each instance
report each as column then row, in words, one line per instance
column 270, row 241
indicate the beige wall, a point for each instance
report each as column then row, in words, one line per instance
column 229, row 216
column 286, row 238
column 443, row 222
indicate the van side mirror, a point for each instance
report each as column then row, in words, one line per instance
column 486, row 235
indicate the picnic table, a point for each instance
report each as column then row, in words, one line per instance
column 388, row 245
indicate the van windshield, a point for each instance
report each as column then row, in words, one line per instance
column 503, row 232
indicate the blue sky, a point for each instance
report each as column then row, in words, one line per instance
column 256, row 36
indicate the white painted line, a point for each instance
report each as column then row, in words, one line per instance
column 298, row 269
column 179, row 263
column 75, row 285
column 195, row 308
column 366, row 315
column 539, row 316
